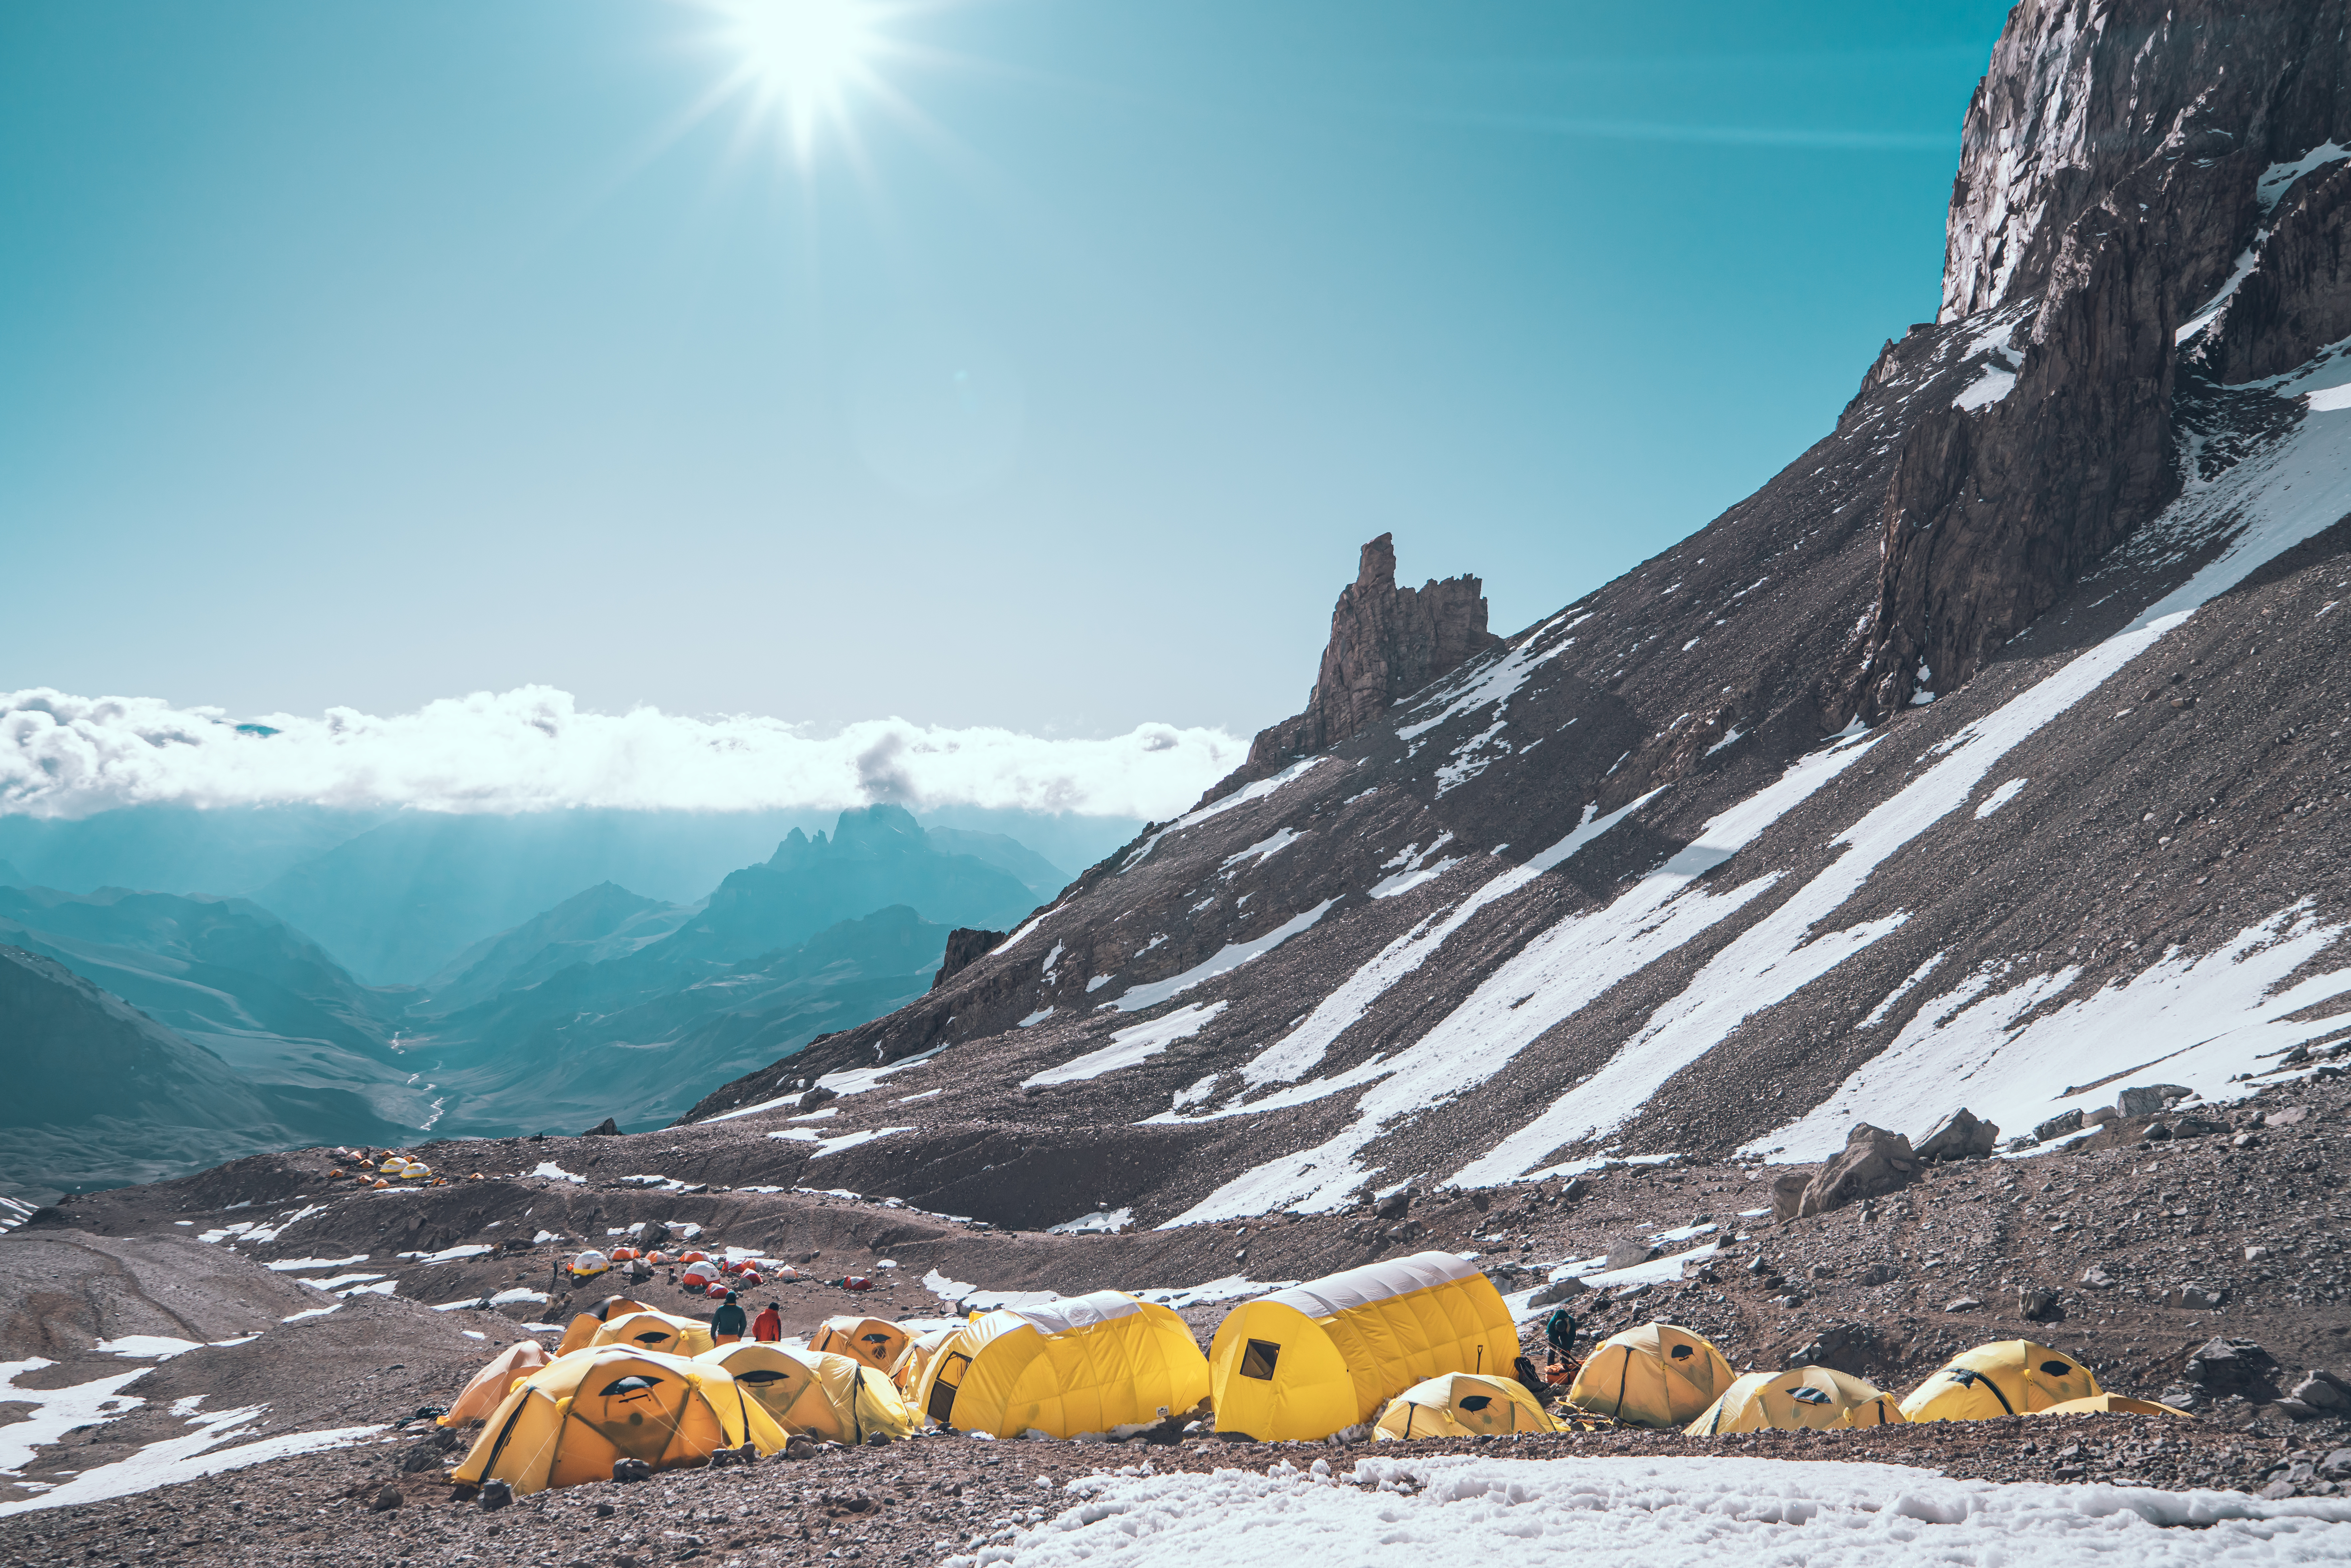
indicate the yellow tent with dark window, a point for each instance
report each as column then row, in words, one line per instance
column 566, row 1424
column 650, row 1330
column 2118, row 1404
column 876, row 1344
column 1306, row 1362
column 1464, row 1404
column 1811, row 1397
column 1653, row 1375
column 582, row 1329
column 834, row 1398
column 1096, row 1363
column 908, row 1373
column 2006, row 1378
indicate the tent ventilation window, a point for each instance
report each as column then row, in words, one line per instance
column 628, row 1385
column 764, row 1375
column 943, row 1389
column 1808, row 1396
column 1477, row 1401
column 1681, row 1353
column 2055, row 1369
column 1258, row 1359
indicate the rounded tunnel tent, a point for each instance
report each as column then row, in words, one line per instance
column 1464, row 1404
column 920, row 1351
column 815, row 1392
column 582, row 1329
column 567, row 1423
column 877, row 1343
column 1653, row 1375
column 2006, row 1378
column 1811, row 1398
column 1315, row 1359
column 488, row 1387
column 1098, row 1362
column 663, row 1331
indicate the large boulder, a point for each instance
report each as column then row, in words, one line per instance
column 1961, row 1136
column 2149, row 1099
column 2233, row 1367
column 1788, row 1195
column 1875, row 1161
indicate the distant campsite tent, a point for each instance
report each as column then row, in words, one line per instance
column 876, row 1344
column 2120, row 1404
column 650, row 1330
column 1095, row 1362
column 1306, row 1362
column 566, row 1422
column 1811, row 1397
column 582, row 1329
column 488, row 1388
column 1653, row 1375
column 2006, row 1378
column 1463, row 1405
column 834, row 1398
column 590, row 1264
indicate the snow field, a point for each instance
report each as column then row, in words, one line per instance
column 1642, row 1513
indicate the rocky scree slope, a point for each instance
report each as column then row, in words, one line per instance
column 1993, row 752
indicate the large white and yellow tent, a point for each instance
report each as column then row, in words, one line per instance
column 1316, row 1358
column 1811, row 1397
column 2006, row 1378
column 1096, row 1363
column 816, row 1393
column 568, row 1422
column 1464, row 1404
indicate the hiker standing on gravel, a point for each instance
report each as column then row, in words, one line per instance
column 769, row 1325
column 727, row 1323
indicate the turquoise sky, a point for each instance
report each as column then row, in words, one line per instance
column 366, row 354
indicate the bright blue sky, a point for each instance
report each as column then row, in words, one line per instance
column 369, row 354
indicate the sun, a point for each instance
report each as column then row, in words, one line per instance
column 804, row 60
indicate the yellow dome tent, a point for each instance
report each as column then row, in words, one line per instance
column 1811, row 1397
column 1306, row 1362
column 1653, row 1375
column 583, row 1328
column 2120, row 1404
column 834, row 1398
column 566, row 1424
column 490, row 1386
column 2006, row 1378
column 650, row 1330
column 1463, row 1405
column 876, row 1344
column 1095, row 1362
column 908, row 1373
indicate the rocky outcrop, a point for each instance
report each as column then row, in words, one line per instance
column 2300, row 295
column 1961, row 1136
column 965, row 947
column 1386, row 642
column 1875, row 1161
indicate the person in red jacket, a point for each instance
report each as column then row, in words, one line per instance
column 769, row 1325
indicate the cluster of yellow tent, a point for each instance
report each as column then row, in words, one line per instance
column 1415, row 1347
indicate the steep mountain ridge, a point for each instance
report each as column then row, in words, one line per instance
column 1992, row 754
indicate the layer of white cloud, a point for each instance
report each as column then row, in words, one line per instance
column 533, row 749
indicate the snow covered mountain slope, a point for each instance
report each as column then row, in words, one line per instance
column 1992, row 754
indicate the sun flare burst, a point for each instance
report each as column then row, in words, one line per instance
column 804, row 61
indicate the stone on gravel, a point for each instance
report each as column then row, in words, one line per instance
column 2057, row 1126
column 2149, row 1099
column 2095, row 1278
column 1877, row 1274
column 1875, row 1161
column 1627, row 1252
column 1961, row 1136
column 1964, row 1305
column 496, row 1494
column 2336, row 1465
column 389, row 1498
column 2321, row 1391
column 2195, row 1298
column 607, row 1128
column 1393, row 1207
column 1788, row 1195
column 1558, row 1291
column 2036, row 1305
column 632, row 1470
column 2230, row 1365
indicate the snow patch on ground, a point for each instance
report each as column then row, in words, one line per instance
column 554, row 1172
column 1230, row 956
column 1103, row 1222
column 1133, row 1044
column 1240, row 797
column 172, row 1460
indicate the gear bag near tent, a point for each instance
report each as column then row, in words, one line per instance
column 2006, row 1378
column 663, row 1331
column 877, row 1343
column 816, row 1394
column 1812, row 1398
column 566, row 1424
column 1463, row 1405
column 1653, row 1375
column 582, row 1329
column 1317, row 1358
column 490, row 1386
column 1099, row 1362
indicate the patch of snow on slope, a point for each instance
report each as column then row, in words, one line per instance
column 57, row 1411
column 1240, row 797
column 553, row 1172
column 1264, row 849
column 1406, row 881
column 1564, row 969
column 1132, row 1044
column 173, row 1460
column 2329, row 400
column 1894, row 997
column 1103, row 1222
column 834, row 1145
column 2202, row 1021
column 2279, row 178
column 1398, row 1511
column 1232, row 956
column 1996, row 383
column 2001, row 797
column 1483, row 682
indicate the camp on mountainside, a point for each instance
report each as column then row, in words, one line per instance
column 1099, row 1362
column 877, row 1343
column 816, row 1393
column 1320, row 1357
column 1653, row 1375
column 2006, row 1378
column 1463, row 1405
column 1811, row 1398
column 569, row 1421
column 488, row 1387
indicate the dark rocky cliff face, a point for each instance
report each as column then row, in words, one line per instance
column 1386, row 642
column 2119, row 161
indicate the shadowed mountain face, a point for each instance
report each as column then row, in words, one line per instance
column 1993, row 754
column 607, row 921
